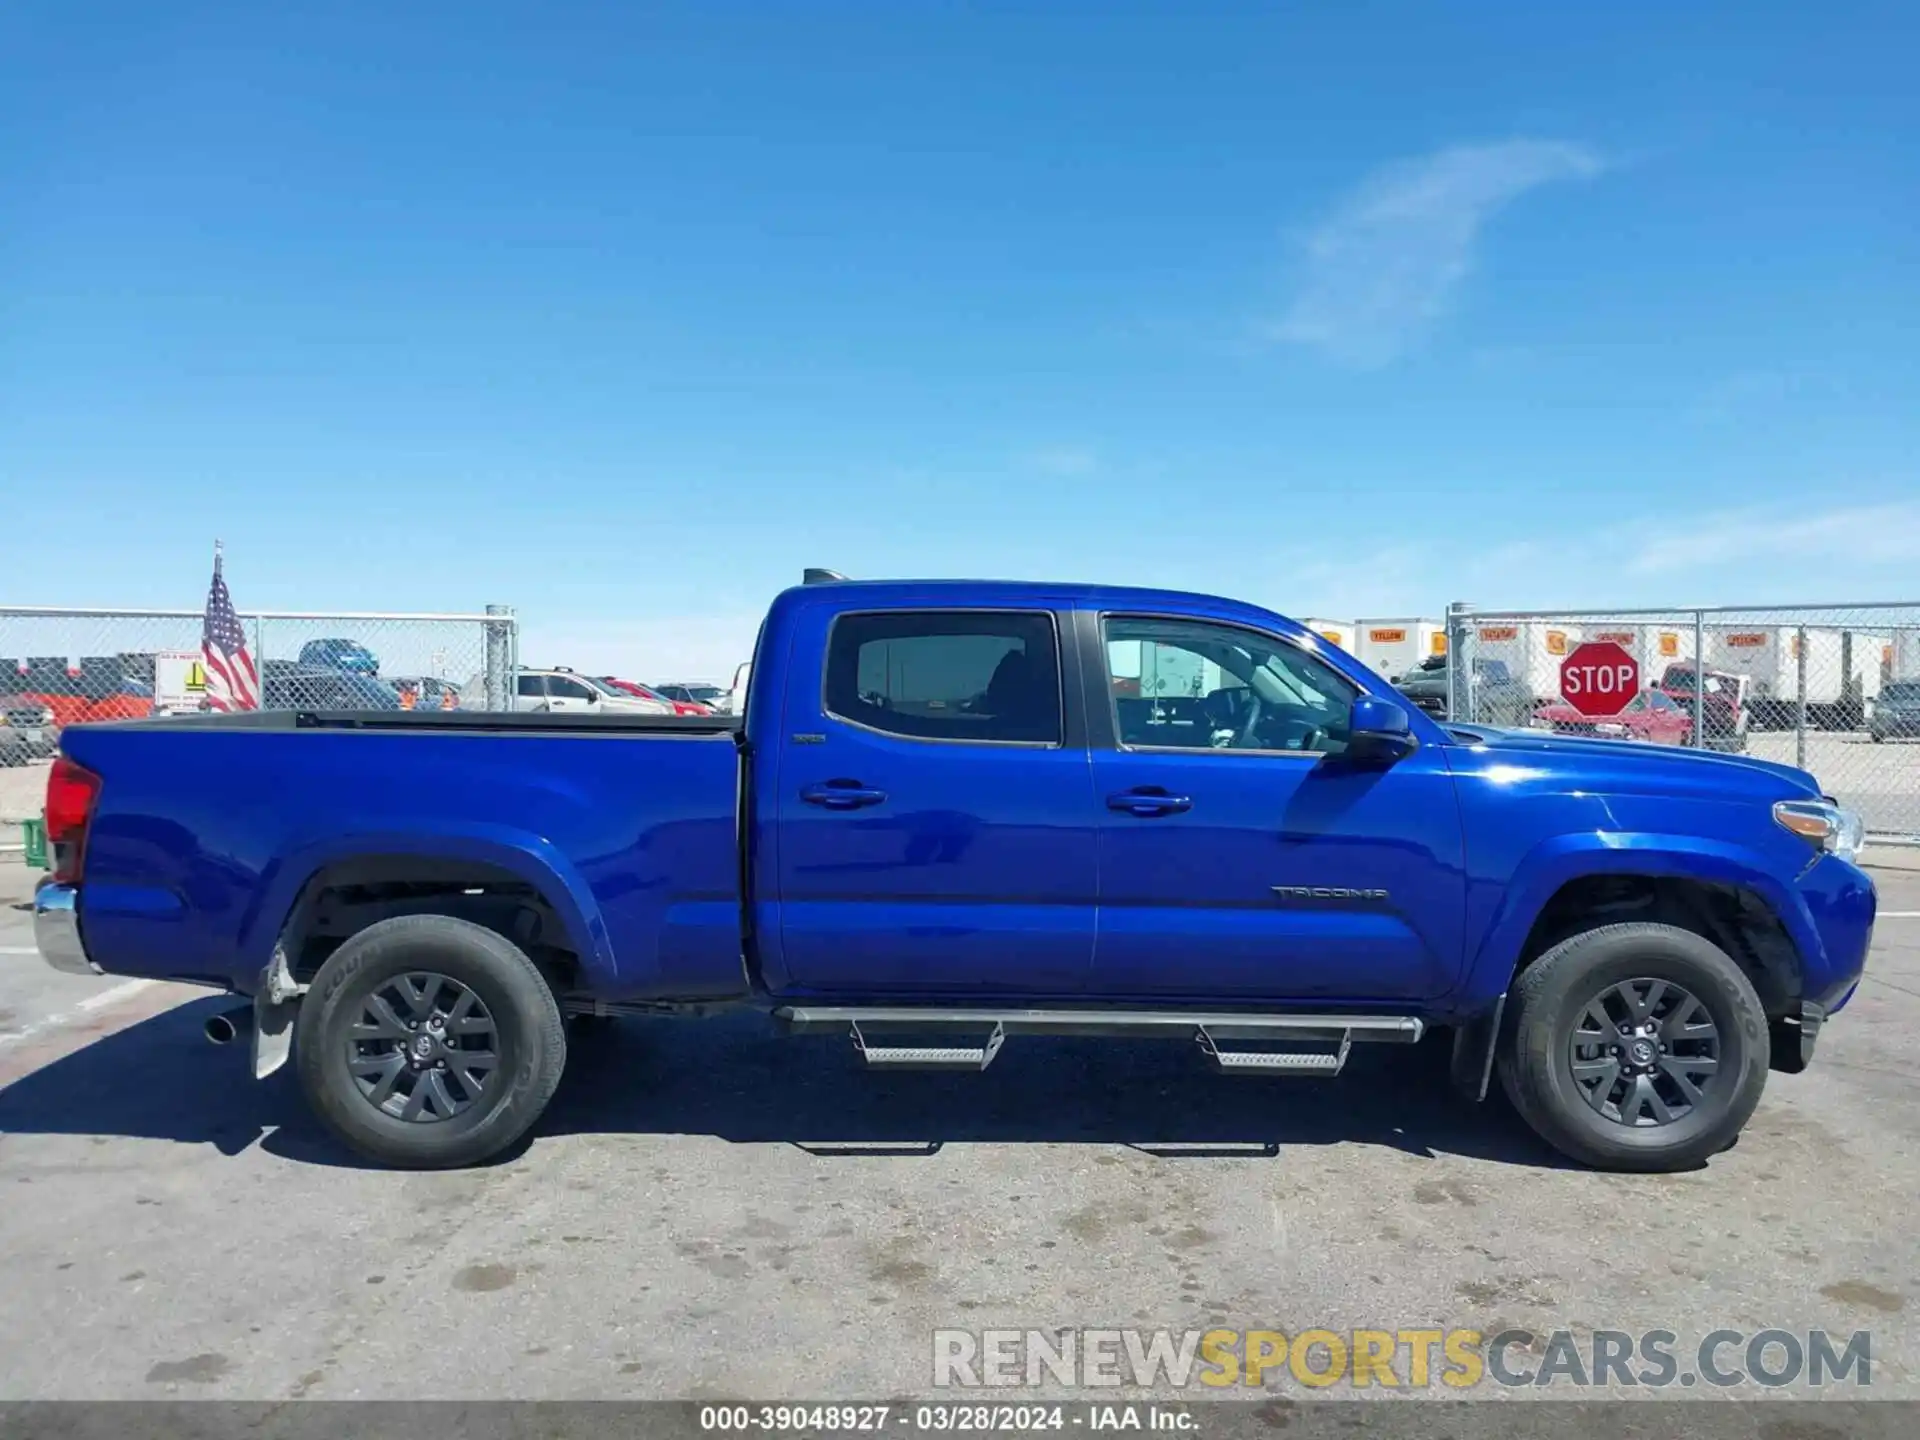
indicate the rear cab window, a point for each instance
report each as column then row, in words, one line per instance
column 988, row 677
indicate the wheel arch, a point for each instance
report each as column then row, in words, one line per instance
column 1722, row 892
column 502, row 864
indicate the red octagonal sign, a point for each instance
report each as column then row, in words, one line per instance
column 1599, row 678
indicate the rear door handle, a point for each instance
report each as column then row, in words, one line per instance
column 842, row 797
column 1149, row 800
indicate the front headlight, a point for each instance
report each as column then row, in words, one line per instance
column 1823, row 823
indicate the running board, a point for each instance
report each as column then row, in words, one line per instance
column 1317, row 1044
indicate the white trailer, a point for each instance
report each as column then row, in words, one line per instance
column 1530, row 649
column 1900, row 656
column 1393, row 647
column 1338, row 632
column 1161, row 670
column 1654, row 646
column 1839, row 671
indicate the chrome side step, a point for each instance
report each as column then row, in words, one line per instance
column 1275, row 1062
column 928, row 1057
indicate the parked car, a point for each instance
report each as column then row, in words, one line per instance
column 1650, row 716
column 339, row 654
column 286, row 685
column 711, row 698
column 933, row 831
column 27, row 729
column 96, row 688
column 647, row 692
column 52, row 681
column 1723, row 709
column 560, row 691
column 1499, row 699
column 1896, row 713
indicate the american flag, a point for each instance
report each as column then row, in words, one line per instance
column 232, row 683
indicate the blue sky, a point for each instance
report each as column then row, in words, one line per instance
column 621, row 314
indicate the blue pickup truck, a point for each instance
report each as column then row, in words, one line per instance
column 957, row 813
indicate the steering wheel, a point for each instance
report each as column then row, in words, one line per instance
column 1247, row 737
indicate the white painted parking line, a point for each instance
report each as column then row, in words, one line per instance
column 19, row 950
column 118, row 992
column 67, row 1017
column 1900, row 915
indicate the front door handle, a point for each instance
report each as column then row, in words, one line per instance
column 842, row 796
column 1149, row 800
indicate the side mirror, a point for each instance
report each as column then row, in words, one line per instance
column 1378, row 730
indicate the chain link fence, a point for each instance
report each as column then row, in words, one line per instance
column 61, row 667
column 1834, row 690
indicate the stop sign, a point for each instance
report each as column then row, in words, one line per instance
column 1599, row 678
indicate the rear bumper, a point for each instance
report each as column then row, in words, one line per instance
column 56, row 929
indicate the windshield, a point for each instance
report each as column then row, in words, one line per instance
column 1902, row 692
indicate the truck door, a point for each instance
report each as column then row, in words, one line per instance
column 1242, row 856
column 935, row 826
column 564, row 693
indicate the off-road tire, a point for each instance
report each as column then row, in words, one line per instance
column 530, row 1034
column 1545, row 1006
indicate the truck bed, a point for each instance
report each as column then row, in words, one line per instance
column 613, row 838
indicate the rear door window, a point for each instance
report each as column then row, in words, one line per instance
column 992, row 677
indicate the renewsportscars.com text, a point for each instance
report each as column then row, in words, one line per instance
column 1416, row 1359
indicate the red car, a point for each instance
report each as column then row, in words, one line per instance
column 1722, row 708
column 635, row 688
column 1650, row 716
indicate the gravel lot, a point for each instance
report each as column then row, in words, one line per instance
column 709, row 1211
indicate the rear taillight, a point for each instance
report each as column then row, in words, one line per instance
column 72, row 792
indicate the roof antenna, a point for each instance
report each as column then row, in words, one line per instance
column 812, row 575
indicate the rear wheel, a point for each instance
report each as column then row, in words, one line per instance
column 1636, row 1047
column 427, row 1042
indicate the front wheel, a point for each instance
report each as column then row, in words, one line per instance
column 427, row 1042
column 1636, row 1047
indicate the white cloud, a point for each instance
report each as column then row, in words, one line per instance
column 1384, row 264
column 1851, row 537
column 1065, row 461
column 1762, row 556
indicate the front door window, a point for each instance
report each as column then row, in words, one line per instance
column 1195, row 685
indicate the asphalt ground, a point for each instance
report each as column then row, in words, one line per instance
column 709, row 1211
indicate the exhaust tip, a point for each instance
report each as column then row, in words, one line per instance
column 221, row 1030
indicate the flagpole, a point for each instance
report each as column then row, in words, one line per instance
column 216, row 557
